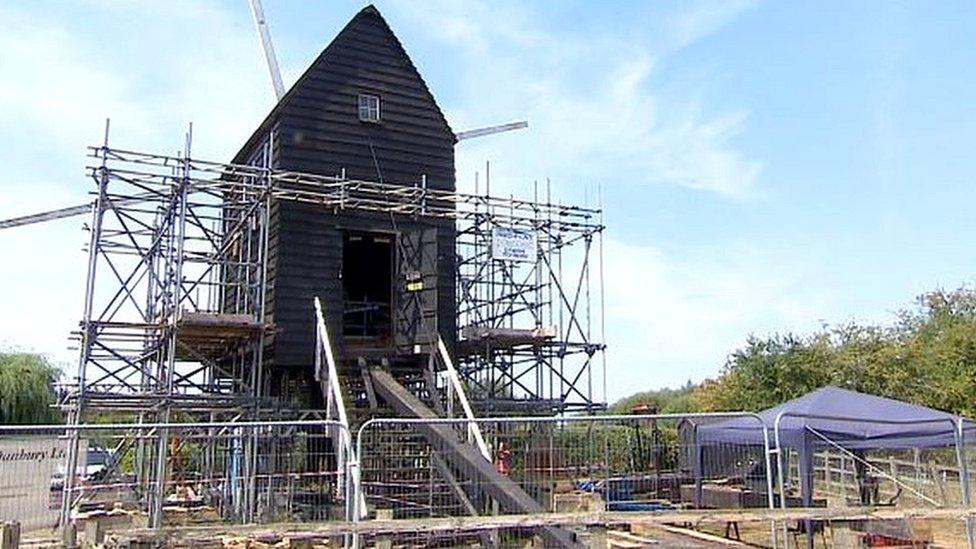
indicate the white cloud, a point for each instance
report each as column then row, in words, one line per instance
column 164, row 65
column 593, row 110
column 697, row 20
column 54, row 87
column 596, row 114
column 672, row 318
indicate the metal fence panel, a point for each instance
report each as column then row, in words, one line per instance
column 230, row 472
column 559, row 479
column 411, row 469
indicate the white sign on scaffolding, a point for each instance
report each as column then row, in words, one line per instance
column 513, row 244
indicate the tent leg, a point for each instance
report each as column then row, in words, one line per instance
column 699, row 472
column 770, row 494
column 806, row 485
column 964, row 480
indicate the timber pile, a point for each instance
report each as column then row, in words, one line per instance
column 577, row 502
column 92, row 526
column 263, row 540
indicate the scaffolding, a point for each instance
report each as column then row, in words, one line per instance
column 532, row 337
column 174, row 322
column 174, row 297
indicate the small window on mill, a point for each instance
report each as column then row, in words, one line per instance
column 369, row 107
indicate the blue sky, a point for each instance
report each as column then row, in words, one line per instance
column 765, row 166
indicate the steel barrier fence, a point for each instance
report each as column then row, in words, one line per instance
column 427, row 468
column 565, row 480
column 219, row 472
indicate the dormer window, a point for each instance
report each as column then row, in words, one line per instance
column 369, row 107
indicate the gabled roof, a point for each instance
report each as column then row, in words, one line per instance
column 322, row 61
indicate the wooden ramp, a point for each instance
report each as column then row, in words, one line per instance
column 465, row 458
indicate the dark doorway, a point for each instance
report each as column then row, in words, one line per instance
column 367, row 282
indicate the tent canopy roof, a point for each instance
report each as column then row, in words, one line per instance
column 831, row 415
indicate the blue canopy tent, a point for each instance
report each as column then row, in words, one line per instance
column 853, row 420
column 833, row 418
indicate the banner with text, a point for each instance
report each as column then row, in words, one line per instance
column 31, row 477
column 513, row 244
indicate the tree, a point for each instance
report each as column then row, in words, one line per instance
column 27, row 389
column 667, row 401
column 767, row 372
column 927, row 356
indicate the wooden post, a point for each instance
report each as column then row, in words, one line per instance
column 828, row 476
column 9, row 535
column 939, row 481
column 94, row 532
column 384, row 542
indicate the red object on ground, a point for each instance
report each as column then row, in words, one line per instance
column 503, row 459
column 877, row 540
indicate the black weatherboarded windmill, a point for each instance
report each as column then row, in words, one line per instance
column 387, row 282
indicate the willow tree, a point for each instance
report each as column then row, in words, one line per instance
column 27, row 389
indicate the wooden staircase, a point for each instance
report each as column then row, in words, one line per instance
column 400, row 471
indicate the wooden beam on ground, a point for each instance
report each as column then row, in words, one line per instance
column 626, row 540
column 466, row 457
column 321, row 530
column 701, row 536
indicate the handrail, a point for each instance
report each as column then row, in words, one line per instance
column 325, row 345
column 345, row 453
column 473, row 428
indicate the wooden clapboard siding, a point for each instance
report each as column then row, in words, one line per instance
column 316, row 124
column 310, row 265
column 315, row 128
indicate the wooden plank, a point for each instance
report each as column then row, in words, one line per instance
column 623, row 540
column 473, row 524
column 466, row 457
column 453, row 483
column 701, row 536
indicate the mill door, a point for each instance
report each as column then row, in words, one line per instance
column 415, row 291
